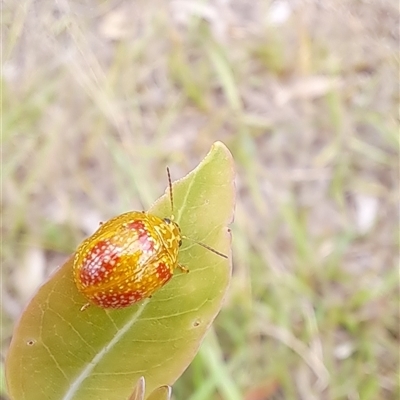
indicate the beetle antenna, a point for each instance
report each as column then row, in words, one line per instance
column 172, row 216
column 206, row 247
column 170, row 192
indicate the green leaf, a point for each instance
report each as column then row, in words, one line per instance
column 61, row 353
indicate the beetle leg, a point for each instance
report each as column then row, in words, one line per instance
column 183, row 268
column 85, row 306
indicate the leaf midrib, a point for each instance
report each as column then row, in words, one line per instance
column 75, row 385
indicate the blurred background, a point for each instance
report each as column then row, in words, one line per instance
column 98, row 97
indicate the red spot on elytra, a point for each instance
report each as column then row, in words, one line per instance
column 146, row 244
column 117, row 300
column 99, row 262
column 136, row 225
column 164, row 273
